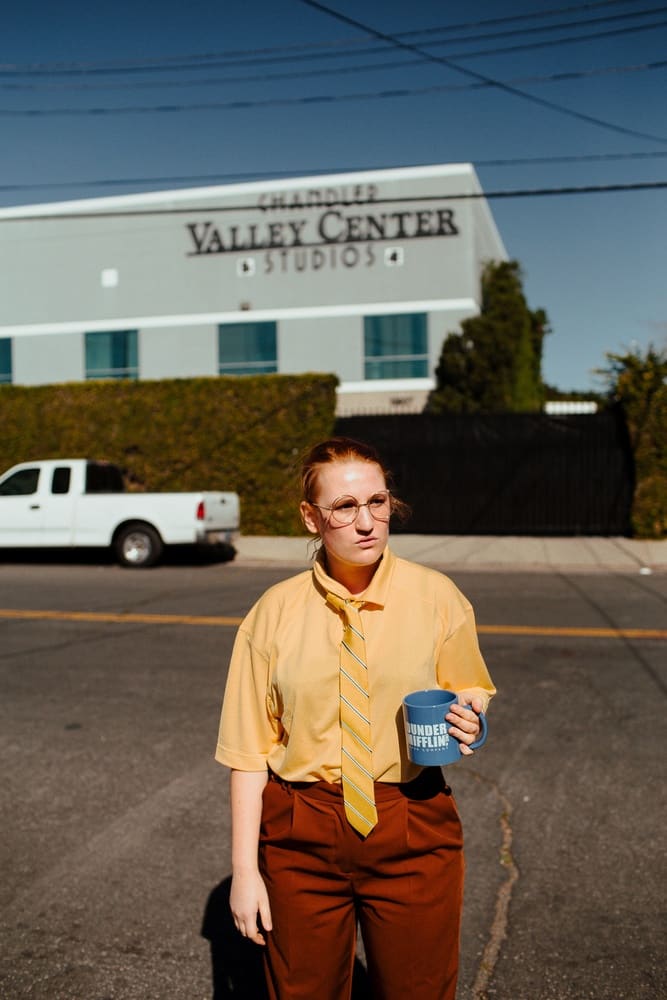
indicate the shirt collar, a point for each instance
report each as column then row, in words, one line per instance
column 376, row 592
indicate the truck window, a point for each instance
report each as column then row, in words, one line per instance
column 21, row 484
column 61, row 479
column 101, row 478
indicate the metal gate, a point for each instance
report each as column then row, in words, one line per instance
column 506, row 474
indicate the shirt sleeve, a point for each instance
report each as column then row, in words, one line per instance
column 247, row 730
column 460, row 665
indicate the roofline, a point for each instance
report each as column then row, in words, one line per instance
column 230, row 190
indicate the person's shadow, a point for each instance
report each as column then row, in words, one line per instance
column 237, row 963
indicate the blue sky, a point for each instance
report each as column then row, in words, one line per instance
column 320, row 95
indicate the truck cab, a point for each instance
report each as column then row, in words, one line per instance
column 37, row 499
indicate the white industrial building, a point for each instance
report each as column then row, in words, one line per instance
column 359, row 274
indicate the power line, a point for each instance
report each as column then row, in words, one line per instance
column 313, row 172
column 578, row 158
column 421, row 199
column 332, row 71
column 480, row 82
column 507, row 88
column 203, row 60
column 555, row 42
column 312, row 99
column 510, row 18
column 300, row 74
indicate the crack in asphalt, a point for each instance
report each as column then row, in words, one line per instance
column 498, row 929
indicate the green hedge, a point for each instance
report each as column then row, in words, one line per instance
column 638, row 381
column 244, row 434
column 649, row 436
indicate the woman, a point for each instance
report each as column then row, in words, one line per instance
column 331, row 823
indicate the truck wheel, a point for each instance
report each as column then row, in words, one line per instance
column 138, row 546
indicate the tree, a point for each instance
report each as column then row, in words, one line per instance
column 638, row 382
column 495, row 364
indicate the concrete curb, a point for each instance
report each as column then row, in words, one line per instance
column 478, row 552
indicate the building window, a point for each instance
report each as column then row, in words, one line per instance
column 112, row 354
column 5, row 360
column 396, row 346
column 247, row 348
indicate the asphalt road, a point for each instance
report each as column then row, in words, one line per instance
column 114, row 854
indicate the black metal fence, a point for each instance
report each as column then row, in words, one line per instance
column 507, row 474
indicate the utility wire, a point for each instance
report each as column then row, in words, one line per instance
column 276, row 102
column 157, row 63
column 482, row 78
column 513, row 18
column 556, row 42
column 274, row 174
column 421, row 199
column 372, row 50
column 404, row 92
column 135, row 85
column 300, row 74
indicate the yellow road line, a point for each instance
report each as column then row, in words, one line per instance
column 591, row 633
column 120, row 618
column 219, row 621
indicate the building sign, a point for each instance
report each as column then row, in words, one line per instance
column 336, row 231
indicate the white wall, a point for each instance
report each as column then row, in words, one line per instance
column 178, row 352
column 330, row 344
column 42, row 359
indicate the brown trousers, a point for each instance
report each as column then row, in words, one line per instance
column 403, row 884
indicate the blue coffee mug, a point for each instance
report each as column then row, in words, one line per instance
column 427, row 730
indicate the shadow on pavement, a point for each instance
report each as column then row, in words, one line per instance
column 173, row 555
column 237, row 963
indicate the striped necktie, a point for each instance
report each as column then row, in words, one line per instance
column 356, row 758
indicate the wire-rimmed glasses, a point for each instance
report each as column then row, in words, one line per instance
column 345, row 509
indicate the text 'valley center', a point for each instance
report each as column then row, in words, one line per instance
column 359, row 274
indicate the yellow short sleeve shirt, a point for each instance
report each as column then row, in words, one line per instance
column 281, row 703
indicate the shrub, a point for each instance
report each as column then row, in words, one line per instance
column 639, row 383
column 228, row 433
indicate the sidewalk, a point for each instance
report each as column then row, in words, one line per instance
column 483, row 552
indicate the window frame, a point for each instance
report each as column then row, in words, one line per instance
column 249, row 365
column 6, row 373
column 130, row 348
column 31, row 474
column 411, row 364
column 61, row 480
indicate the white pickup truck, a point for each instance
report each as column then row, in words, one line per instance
column 75, row 502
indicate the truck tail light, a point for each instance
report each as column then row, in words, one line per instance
column 201, row 511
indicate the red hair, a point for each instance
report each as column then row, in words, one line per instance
column 342, row 449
